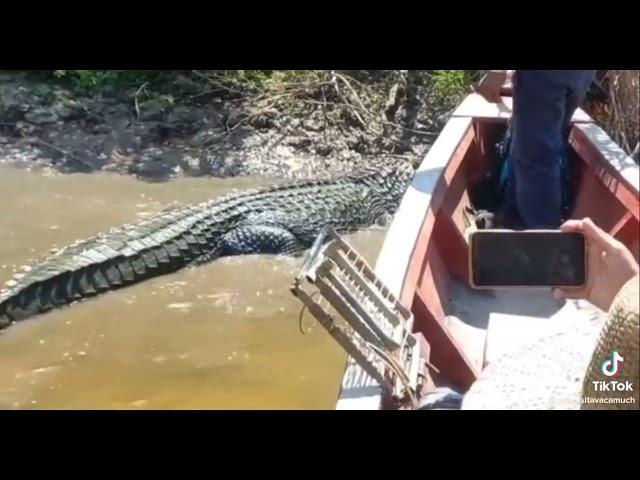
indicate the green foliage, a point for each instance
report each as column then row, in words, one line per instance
column 450, row 86
column 447, row 85
column 174, row 79
column 91, row 79
column 267, row 79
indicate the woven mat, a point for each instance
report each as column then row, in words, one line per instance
column 544, row 374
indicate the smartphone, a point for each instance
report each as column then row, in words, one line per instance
column 527, row 259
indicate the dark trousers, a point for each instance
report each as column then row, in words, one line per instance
column 543, row 103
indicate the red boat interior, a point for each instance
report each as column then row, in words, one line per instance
column 439, row 266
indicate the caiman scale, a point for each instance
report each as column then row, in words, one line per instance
column 284, row 219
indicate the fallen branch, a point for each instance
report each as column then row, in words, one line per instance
column 392, row 124
column 290, row 92
column 330, row 95
column 217, row 84
column 353, row 92
column 207, row 143
column 393, row 102
column 142, row 88
column 364, row 125
column 65, row 153
column 324, row 115
column 397, row 155
column 426, row 133
column 197, row 95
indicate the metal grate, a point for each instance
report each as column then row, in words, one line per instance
column 335, row 283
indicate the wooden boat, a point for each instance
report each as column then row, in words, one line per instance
column 424, row 257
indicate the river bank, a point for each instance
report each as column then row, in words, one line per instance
column 161, row 125
column 299, row 130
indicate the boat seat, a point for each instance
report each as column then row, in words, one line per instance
column 476, row 106
column 537, row 365
column 507, row 332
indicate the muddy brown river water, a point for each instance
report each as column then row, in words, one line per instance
column 220, row 336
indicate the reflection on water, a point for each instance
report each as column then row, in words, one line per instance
column 220, row 336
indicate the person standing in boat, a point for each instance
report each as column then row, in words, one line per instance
column 543, row 103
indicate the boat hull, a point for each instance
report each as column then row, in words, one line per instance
column 424, row 259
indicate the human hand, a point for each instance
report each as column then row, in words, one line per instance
column 609, row 265
column 490, row 85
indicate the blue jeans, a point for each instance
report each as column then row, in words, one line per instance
column 543, row 103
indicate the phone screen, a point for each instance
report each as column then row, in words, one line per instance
column 527, row 259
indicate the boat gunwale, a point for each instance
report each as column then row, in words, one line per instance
column 392, row 269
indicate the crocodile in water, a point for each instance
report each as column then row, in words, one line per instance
column 284, row 219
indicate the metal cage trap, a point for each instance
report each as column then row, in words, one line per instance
column 378, row 331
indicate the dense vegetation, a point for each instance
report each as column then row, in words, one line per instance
column 449, row 85
column 616, row 107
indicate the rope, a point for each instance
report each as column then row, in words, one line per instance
column 399, row 371
column 304, row 308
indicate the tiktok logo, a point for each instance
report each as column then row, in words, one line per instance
column 610, row 367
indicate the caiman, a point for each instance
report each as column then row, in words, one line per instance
column 283, row 219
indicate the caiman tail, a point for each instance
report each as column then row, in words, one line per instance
column 121, row 257
column 281, row 219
